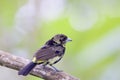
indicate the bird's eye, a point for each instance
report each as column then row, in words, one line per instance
column 64, row 38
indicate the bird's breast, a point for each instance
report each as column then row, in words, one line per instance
column 51, row 61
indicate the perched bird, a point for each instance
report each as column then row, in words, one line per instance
column 51, row 53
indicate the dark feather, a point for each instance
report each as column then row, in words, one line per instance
column 49, row 52
column 25, row 71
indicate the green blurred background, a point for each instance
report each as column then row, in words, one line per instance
column 93, row 25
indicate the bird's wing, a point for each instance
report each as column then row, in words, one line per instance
column 45, row 54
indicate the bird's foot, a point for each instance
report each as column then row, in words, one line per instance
column 55, row 69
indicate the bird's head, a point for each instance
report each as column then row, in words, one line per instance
column 61, row 39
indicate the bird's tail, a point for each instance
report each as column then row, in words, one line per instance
column 25, row 71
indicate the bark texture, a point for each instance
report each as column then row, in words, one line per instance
column 47, row 73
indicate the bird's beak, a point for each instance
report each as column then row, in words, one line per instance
column 68, row 40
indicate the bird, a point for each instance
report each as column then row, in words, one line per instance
column 49, row 54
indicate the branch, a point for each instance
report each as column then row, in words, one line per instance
column 47, row 73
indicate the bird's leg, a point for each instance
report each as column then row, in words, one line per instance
column 55, row 68
column 55, row 63
column 45, row 64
